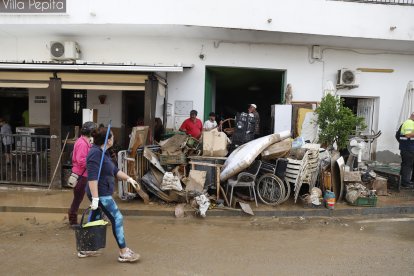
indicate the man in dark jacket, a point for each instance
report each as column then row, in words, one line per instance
column 252, row 109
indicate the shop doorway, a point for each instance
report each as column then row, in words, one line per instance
column 367, row 108
column 13, row 102
column 229, row 90
column 133, row 103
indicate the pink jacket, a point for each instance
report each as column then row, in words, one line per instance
column 80, row 152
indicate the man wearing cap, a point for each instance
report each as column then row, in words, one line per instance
column 211, row 122
column 407, row 151
column 192, row 126
column 252, row 109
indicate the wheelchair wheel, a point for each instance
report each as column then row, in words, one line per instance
column 271, row 189
column 287, row 191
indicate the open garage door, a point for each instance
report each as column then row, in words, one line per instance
column 230, row 90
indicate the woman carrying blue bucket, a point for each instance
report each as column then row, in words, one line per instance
column 101, row 179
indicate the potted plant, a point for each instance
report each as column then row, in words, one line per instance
column 336, row 122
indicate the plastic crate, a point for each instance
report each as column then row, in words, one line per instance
column 366, row 201
column 166, row 159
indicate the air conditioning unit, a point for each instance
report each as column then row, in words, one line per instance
column 347, row 78
column 64, row 50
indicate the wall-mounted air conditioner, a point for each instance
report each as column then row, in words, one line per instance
column 347, row 78
column 64, row 50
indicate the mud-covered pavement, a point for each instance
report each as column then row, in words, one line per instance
column 43, row 244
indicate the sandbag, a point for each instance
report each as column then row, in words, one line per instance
column 242, row 157
column 214, row 143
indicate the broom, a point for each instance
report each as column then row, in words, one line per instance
column 57, row 165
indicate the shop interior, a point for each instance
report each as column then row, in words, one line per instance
column 230, row 90
column 13, row 102
column 132, row 112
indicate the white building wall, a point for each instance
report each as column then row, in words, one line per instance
column 319, row 17
column 389, row 87
column 307, row 79
column 111, row 110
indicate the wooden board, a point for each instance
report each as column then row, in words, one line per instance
column 142, row 132
column 337, row 175
column 153, row 159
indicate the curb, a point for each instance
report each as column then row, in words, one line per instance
column 362, row 211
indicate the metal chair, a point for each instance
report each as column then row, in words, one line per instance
column 246, row 179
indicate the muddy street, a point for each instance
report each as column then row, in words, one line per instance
column 43, row 244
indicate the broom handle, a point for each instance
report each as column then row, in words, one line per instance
column 104, row 149
column 57, row 165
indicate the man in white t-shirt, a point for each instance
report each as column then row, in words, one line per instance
column 211, row 122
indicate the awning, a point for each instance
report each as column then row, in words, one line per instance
column 101, row 81
column 119, row 77
column 25, row 79
column 91, row 67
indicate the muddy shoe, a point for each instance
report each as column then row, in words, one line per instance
column 129, row 256
column 85, row 254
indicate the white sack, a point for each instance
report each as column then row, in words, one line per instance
column 171, row 182
column 203, row 204
column 243, row 156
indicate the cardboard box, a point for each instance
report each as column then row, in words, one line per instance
column 214, row 143
column 277, row 150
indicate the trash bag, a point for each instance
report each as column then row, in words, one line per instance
column 203, row 204
column 315, row 196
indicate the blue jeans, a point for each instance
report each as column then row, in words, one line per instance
column 109, row 207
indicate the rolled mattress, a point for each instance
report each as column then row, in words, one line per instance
column 243, row 156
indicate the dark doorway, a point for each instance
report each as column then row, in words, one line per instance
column 133, row 112
column 73, row 101
column 13, row 102
column 230, row 90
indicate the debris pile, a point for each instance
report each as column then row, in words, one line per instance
column 268, row 169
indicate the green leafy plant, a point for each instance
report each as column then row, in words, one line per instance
column 336, row 122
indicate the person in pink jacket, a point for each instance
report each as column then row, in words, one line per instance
column 80, row 152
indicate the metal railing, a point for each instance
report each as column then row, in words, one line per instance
column 384, row 2
column 142, row 165
column 24, row 159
